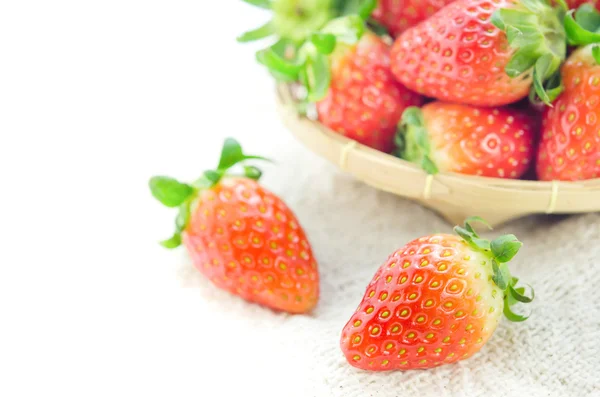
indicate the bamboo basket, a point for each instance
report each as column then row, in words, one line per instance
column 454, row 196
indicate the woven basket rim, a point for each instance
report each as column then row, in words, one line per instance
column 364, row 163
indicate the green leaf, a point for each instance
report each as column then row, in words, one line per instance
column 506, row 247
column 213, row 176
column 257, row 34
column 252, row 172
column 596, row 54
column 169, row 191
column 465, row 234
column 512, row 316
column 280, row 68
column 578, row 34
column 429, row 166
column 183, row 217
column 588, row 17
column 348, row 29
column 477, row 219
column 173, row 242
column 324, row 42
column 362, row 8
column 378, row 28
column 317, row 77
column 266, row 4
column 231, row 154
column 521, row 62
column 518, row 294
column 501, row 275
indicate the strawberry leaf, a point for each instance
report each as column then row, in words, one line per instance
column 316, row 77
column 596, row 54
column 362, row 8
column 501, row 276
column 231, row 154
column 169, row 191
column 348, row 29
column 257, row 34
column 266, row 4
column 172, row 242
column 505, row 247
column 324, row 42
column 281, row 68
column 512, row 316
column 478, row 219
column 581, row 29
column 518, row 294
column 252, row 172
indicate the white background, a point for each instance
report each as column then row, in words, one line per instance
column 96, row 97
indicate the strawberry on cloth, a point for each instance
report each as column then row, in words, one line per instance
column 242, row 237
column 435, row 301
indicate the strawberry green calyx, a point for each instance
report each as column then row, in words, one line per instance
column 293, row 20
column 311, row 63
column 412, row 140
column 535, row 31
column 501, row 251
column 175, row 194
column 583, row 28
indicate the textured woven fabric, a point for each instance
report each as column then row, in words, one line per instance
column 353, row 228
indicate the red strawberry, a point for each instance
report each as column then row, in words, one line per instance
column 459, row 55
column 570, row 146
column 364, row 102
column 241, row 236
column 435, row 301
column 468, row 140
column 399, row 15
column 572, row 4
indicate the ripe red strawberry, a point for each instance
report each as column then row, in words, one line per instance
column 572, row 4
column 460, row 55
column 241, row 236
column 469, row 140
column 435, row 301
column 570, row 146
column 399, row 15
column 364, row 102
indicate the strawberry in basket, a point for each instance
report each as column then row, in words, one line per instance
column 462, row 54
column 468, row 140
column 435, row 301
column 398, row 15
column 241, row 236
column 570, row 146
column 345, row 70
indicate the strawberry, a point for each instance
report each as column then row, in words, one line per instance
column 435, row 301
column 398, row 15
column 346, row 72
column 462, row 53
column 242, row 237
column 572, row 4
column 570, row 146
column 364, row 102
column 469, row 140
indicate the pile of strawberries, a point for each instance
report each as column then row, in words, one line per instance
column 466, row 86
column 479, row 87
